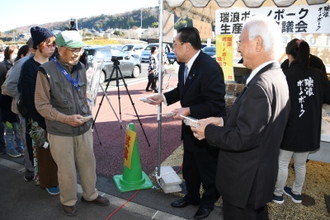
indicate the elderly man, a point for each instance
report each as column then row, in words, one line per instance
column 249, row 138
column 60, row 98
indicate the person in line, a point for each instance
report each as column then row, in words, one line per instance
column 60, row 98
column 249, row 138
column 152, row 70
column 13, row 141
column 309, row 90
column 314, row 61
column 201, row 92
column 10, row 88
column 45, row 172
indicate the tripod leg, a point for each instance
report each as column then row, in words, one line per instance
column 96, row 132
column 129, row 95
column 118, row 93
column 97, row 112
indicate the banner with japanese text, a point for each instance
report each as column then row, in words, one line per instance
column 224, row 55
column 293, row 19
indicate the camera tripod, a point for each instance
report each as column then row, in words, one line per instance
column 118, row 75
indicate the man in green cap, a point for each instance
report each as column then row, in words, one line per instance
column 60, row 98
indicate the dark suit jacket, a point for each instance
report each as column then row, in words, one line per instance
column 250, row 140
column 203, row 92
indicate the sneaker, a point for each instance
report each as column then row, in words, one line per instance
column 53, row 190
column 13, row 153
column 278, row 199
column 295, row 198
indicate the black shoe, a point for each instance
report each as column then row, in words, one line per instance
column 148, row 90
column 202, row 213
column 181, row 203
column 70, row 210
column 28, row 176
column 101, row 201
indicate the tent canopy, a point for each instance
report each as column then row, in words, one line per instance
column 204, row 10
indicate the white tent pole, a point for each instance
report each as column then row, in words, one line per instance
column 160, row 78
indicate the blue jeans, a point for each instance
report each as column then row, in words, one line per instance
column 13, row 137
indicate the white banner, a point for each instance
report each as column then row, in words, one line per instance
column 294, row 19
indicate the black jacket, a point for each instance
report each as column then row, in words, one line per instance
column 309, row 89
column 27, row 86
column 203, row 92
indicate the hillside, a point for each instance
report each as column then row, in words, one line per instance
column 103, row 22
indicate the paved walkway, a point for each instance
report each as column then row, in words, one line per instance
column 20, row 199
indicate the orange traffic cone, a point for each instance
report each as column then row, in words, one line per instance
column 133, row 178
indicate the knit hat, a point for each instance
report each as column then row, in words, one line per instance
column 39, row 35
column 70, row 39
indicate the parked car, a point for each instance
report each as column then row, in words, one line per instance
column 171, row 57
column 209, row 51
column 116, row 46
column 146, row 52
column 207, row 45
column 129, row 66
column 134, row 50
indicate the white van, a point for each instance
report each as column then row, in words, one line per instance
column 134, row 50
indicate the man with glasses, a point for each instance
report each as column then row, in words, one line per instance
column 61, row 98
column 249, row 137
column 201, row 92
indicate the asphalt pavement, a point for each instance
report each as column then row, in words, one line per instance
column 25, row 200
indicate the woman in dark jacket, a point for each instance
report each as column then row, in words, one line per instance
column 14, row 143
column 309, row 89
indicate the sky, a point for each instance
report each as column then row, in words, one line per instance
column 18, row 13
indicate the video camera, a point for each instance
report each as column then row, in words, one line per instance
column 73, row 26
column 115, row 59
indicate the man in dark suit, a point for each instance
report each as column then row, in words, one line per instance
column 249, row 138
column 201, row 94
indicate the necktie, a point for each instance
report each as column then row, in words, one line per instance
column 185, row 74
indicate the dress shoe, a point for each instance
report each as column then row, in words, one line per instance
column 70, row 210
column 181, row 203
column 101, row 201
column 148, row 90
column 202, row 213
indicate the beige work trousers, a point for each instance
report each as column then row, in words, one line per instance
column 71, row 153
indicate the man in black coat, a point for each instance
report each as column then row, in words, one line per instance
column 201, row 92
column 249, row 138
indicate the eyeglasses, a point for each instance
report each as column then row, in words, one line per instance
column 75, row 50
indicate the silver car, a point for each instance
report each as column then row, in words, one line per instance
column 128, row 65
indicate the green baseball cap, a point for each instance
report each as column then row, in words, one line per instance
column 71, row 39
